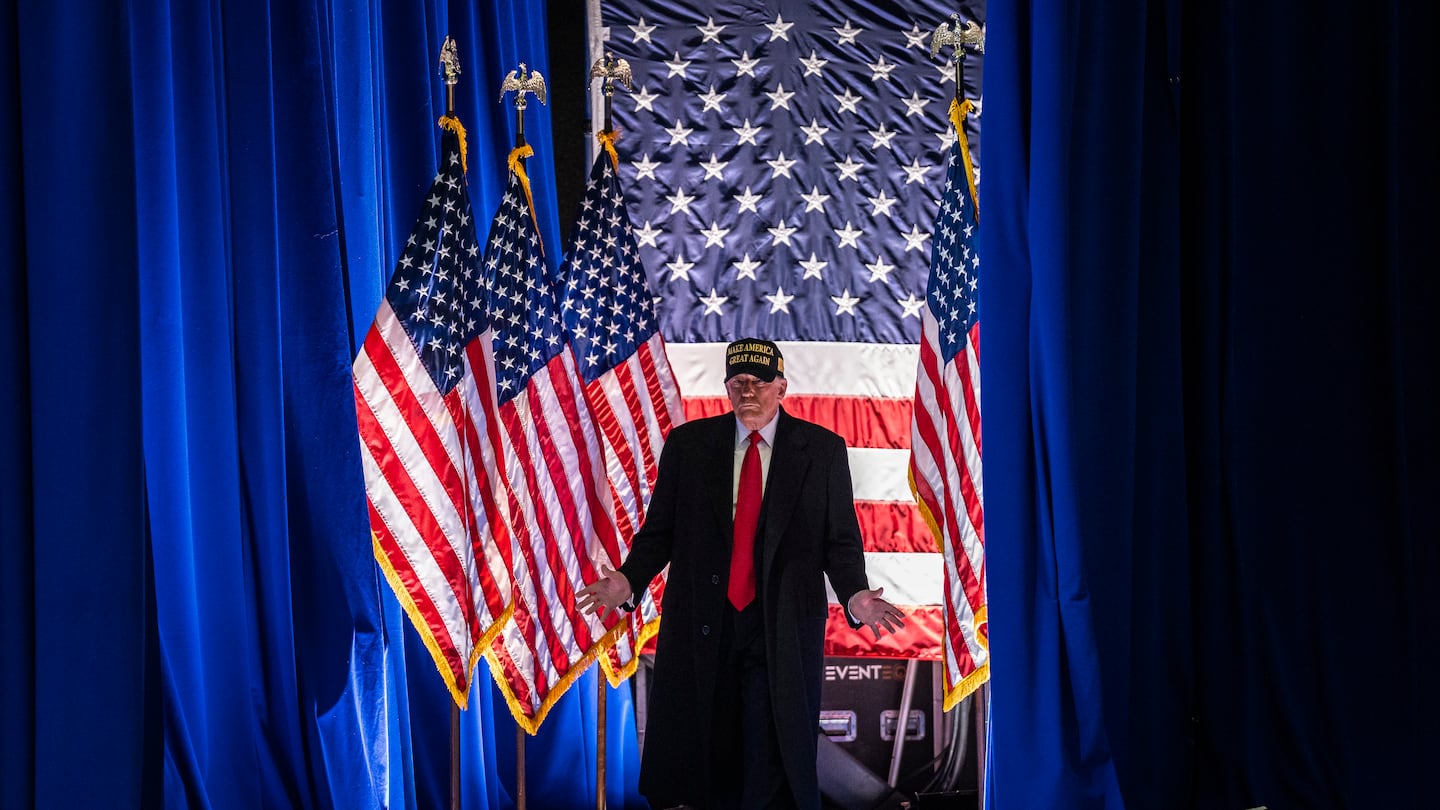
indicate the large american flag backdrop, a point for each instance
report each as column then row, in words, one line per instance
column 782, row 163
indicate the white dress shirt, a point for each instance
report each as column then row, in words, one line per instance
column 742, row 444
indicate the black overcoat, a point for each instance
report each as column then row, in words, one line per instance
column 807, row 530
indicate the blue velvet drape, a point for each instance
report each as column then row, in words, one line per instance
column 1210, row 385
column 201, row 203
column 1210, row 392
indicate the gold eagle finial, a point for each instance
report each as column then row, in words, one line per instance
column 523, row 81
column 951, row 33
column 609, row 69
column 450, row 61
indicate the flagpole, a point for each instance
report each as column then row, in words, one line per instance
column 959, row 74
column 450, row 64
column 454, row 755
column 600, row 739
column 608, row 70
column 982, row 737
column 450, row 67
column 952, row 33
column 522, row 81
column 971, row 35
column 974, row 37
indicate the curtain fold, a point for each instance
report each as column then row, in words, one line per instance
column 1210, row 583
column 1083, row 410
column 1211, row 458
column 198, row 247
column 1316, row 564
column 79, row 486
column 17, row 573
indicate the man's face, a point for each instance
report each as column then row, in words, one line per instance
column 754, row 401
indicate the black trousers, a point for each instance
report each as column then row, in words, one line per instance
column 747, row 772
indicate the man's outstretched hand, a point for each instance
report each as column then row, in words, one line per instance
column 605, row 594
column 869, row 609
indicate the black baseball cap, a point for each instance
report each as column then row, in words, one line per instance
column 759, row 358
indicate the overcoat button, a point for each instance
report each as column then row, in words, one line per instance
column 704, row 629
column 714, row 579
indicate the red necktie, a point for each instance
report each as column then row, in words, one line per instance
column 747, row 516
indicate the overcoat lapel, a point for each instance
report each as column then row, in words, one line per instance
column 789, row 463
column 718, row 479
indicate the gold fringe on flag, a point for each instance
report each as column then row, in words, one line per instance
column 617, row 674
column 459, row 692
column 517, row 165
column 607, row 140
column 523, row 719
column 958, row 111
column 453, row 124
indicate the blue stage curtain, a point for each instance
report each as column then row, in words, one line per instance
column 1085, row 499
column 1211, row 450
column 201, row 204
column 76, row 641
column 1315, row 384
column 17, row 553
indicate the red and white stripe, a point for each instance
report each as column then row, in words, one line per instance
column 438, row 528
column 635, row 404
column 864, row 392
column 946, row 473
column 562, row 518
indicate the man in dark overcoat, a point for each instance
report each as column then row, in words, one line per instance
column 734, row 702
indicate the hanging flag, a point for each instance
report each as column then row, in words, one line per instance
column 426, row 409
column 553, row 467
column 782, row 166
column 612, row 328
column 945, row 461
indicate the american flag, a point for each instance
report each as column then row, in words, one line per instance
column 425, row 408
column 613, row 329
column 782, row 163
column 553, row 467
column 945, row 464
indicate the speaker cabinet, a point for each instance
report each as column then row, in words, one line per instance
column 859, row 713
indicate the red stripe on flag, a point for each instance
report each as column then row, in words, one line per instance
column 409, row 498
column 400, row 564
column 562, row 378
column 919, row 638
column 388, row 370
column 534, row 548
column 615, row 427
column 972, row 403
column 509, row 674
column 656, row 413
column 862, row 421
column 968, row 493
column 634, row 405
column 515, row 429
column 952, row 504
column 496, row 598
column 893, row 526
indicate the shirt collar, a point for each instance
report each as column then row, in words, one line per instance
column 742, row 433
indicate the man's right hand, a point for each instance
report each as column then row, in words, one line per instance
column 605, row 594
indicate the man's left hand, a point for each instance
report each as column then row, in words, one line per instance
column 869, row 609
